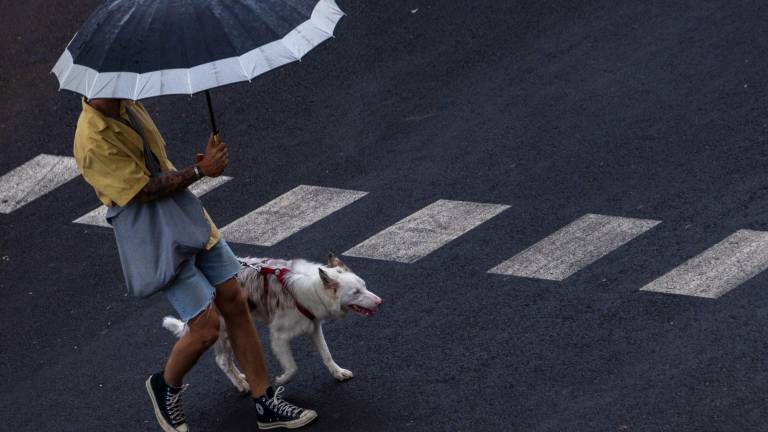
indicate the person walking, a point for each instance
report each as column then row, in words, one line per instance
column 109, row 151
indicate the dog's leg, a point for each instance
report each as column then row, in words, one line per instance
column 281, row 347
column 226, row 362
column 338, row 372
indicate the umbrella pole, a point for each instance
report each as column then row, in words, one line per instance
column 214, row 129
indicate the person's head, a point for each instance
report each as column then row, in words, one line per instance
column 108, row 107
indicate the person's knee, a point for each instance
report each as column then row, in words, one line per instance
column 205, row 327
column 209, row 336
column 231, row 300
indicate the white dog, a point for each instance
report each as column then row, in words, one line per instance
column 293, row 297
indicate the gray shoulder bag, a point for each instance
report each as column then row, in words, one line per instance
column 155, row 238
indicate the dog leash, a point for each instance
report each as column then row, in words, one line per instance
column 280, row 273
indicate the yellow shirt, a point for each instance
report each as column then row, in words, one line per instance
column 110, row 155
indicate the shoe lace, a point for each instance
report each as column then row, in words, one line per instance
column 174, row 405
column 281, row 406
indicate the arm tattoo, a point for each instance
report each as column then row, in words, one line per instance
column 167, row 183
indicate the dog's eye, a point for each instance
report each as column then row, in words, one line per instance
column 357, row 291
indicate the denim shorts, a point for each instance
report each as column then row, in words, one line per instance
column 194, row 287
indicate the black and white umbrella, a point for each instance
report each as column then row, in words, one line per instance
column 136, row 49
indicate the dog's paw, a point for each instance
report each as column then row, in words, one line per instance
column 284, row 378
column 343, row 374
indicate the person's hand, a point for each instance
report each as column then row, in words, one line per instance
column 215, row 159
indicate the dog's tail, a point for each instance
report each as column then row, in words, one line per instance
column 176, row 326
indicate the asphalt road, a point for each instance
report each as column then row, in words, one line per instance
column 557, row 109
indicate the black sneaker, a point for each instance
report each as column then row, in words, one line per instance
column 167, row 402
column 274, row 412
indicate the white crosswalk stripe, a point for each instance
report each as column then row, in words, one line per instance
column 207, row 184
column 574, row 247
column 719, row 269
column 425, row 231
column 34, row 179
column 288, row 213
column 199, row 188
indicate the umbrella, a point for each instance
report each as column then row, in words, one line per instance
column 136, row 49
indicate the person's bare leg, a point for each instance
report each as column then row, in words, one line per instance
column 202, row 332
column 232, row 304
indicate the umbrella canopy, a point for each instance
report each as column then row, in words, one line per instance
column 136, row 49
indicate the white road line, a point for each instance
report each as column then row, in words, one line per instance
column 288, row 213
column 94, row 217
column 719, row 269
column 425, row 231
column 34, row 179
column 199, row 188
column 207, row 184
column 574, row 247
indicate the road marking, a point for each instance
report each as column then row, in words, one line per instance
column 425, row 231
column 34, row 179
column 199, row 188
column 719, row 269
column 574, row 247
column 207, row 184
column 288, row 213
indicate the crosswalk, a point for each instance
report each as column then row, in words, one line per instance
column 567, row 251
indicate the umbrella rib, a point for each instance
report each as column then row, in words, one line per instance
column 136, row 87
column 146, row 24
column 93, row 84
column 188, row 63
column 109, row 79
column 242, row 66
column 232, row 43
column 65, row 75
column 115, row 35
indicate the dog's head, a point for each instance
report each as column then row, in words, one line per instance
column 348, row 288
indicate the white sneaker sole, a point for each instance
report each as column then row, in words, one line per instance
column 163, row 424
column 306, row 418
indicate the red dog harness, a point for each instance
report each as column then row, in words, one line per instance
column 280, row 273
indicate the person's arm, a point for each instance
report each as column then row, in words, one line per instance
column 168, row 183
column 211, row 164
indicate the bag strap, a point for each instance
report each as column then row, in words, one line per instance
column 149, row 157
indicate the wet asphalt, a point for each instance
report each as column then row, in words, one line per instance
column 650, row 110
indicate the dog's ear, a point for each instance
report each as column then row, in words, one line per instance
column 327, row 280
column 334, row 261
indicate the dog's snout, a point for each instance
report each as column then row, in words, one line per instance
column 378, row 300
